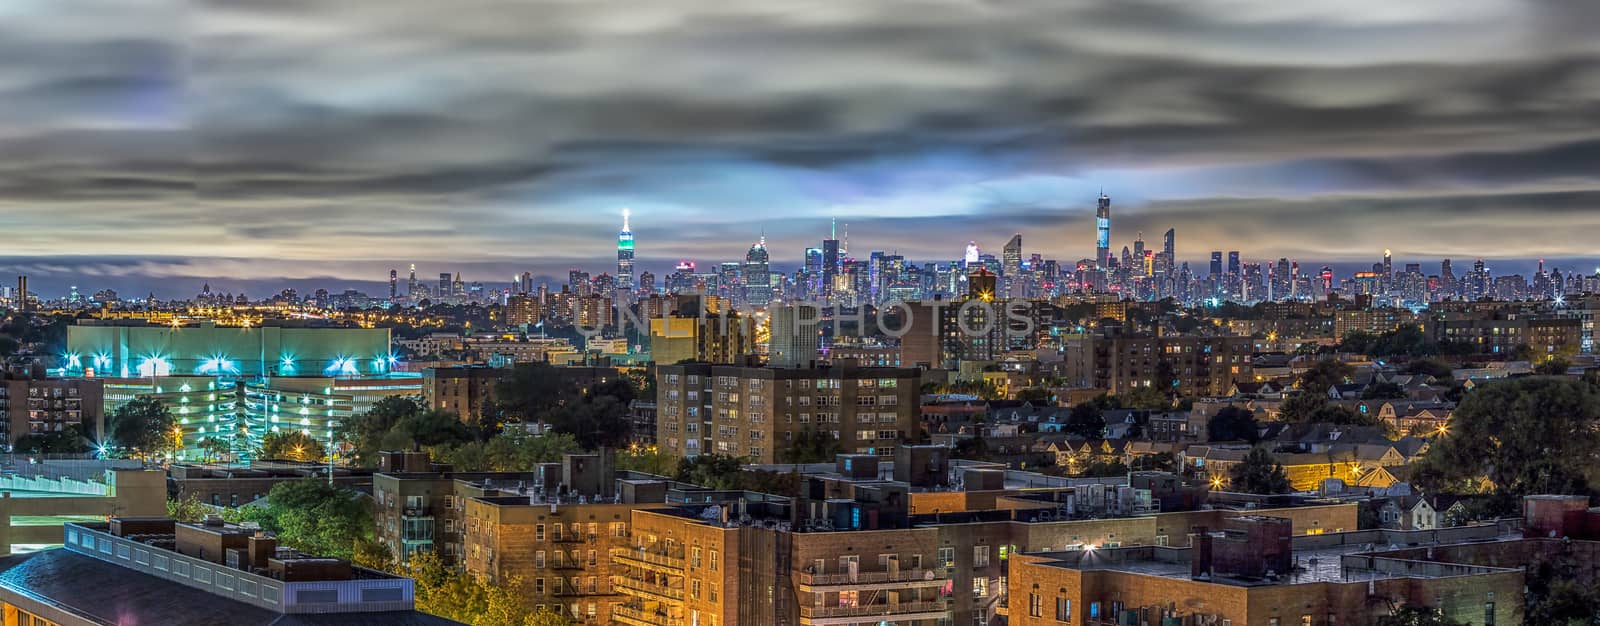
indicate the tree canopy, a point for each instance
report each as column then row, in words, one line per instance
column 1325, row 374
column 314, row 517
column 597, row 415
column 291, row 445
column 1530, row 435
column 1412, row 615
column 471, row 598
column 809, row 446
column 1232, row 423
column 142, row 427
column 514, row 450
column 1259, row 473
column 1405, row 340
column 400, row 423
column 1087, row 419
column 69, row 439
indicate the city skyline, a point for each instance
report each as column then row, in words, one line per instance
column 498, row 139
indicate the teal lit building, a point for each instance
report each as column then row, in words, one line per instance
column 143, row 351
column 238, row 384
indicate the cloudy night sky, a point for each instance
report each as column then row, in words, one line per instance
column 157, row 144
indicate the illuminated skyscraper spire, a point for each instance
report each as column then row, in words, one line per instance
column 625, row 282
column 1102, row 227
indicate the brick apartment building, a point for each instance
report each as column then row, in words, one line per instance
column 755, row 411
column 1118, row 363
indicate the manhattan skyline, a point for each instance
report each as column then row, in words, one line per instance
column 320, row 142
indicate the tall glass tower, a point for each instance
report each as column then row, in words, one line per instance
column 625, row 282
column 757, row 275
column 1102, row 230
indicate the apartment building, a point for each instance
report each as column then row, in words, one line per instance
column 1190, row 365
column 464, row 391
column 755, row 411
column 1545, row 336
column 33, row 404
column 561, row 549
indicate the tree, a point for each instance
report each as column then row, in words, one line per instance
column 1087, row 419
column 215, row 447
column 1429, row 367
column 1104, row 469
column 314, row 517
column 514, row 450
column 1164, row 462
column 647, row 459
column 430, row 428
column 975, row 448
column 1553, row 366
column 717, row 471
column 530, row 392
column 809, row 446
column 291, row 445
column 1145, row 398
column 1416, row 616
column 1325, row 374
column 1528, row 435
column 1301, row 406
column 1233, row 423
column 366, row 431
column 142, row 427
column 1259, row 473
column 548, row 617
column 187, row 510
column 1383, row 391
column 1038, row 396
column 596, row 421
column 67, row 440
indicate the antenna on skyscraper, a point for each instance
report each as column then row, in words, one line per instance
column 833, row 233
column 844, row 244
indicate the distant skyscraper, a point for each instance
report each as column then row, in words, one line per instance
column 625, row 282
column 1216, row 263
column 444, row 285
column 1102, row 229
column 1138, row 255
column 1011, row 255
column 972, row 255
column 411, row 285
column 1168, row 244
column 394, row 284
column 757, row 275
column 1233, row 263
column 830, row 259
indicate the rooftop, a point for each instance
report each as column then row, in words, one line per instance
column 120, row 596
column 1315, row 562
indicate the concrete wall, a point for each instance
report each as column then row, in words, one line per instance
column 133, row 493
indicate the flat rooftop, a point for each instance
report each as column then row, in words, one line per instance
column 1355, row 562
column 119, row 595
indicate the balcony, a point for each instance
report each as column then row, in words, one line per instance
column 903, row 611
column 646, row 590
column 416, row 511
column 579, row 538
column 905, row 578
column 634, row 616
column 648, row 560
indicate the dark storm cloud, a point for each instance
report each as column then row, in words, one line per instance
column 325, row 138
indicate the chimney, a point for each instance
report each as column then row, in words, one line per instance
column 1200, row 553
